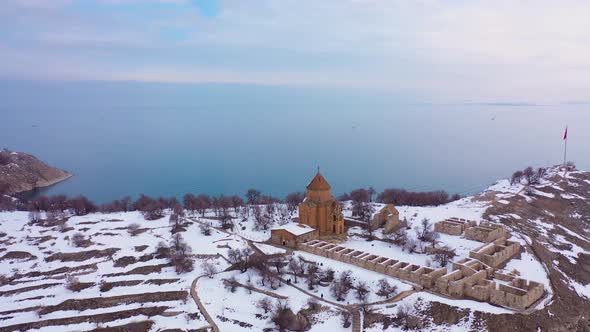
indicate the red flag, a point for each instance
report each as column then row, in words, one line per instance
column 565, row 134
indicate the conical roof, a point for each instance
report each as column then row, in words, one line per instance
column 318, row 183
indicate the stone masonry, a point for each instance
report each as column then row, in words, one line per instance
column 486, row 232
column 497, row 253
column 467, row 278
column 453, row 226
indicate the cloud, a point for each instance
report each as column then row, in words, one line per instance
column 459, row 50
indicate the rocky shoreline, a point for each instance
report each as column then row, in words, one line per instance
column 21, row 172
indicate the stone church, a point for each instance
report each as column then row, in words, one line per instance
column 320, row 209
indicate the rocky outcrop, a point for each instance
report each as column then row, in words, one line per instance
column 23, row 172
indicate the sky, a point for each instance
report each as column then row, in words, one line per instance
column 529, row 52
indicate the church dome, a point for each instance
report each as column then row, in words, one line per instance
column 318, row 183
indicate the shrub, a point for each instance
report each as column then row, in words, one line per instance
column 105, row 286
column 403, row 197
column 73, row 284
column 78, row 240
column 205, row 229
column 134, row 229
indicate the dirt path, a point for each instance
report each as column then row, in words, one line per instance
column 197, row 300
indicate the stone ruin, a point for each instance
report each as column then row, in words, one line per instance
column 467, row 278
column 453, row 226
column 486, row 232
column 497, row 253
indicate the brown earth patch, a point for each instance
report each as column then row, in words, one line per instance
column 141, row 248
column 60, row 270
column 107, row 234
column 41, row 239
column 144, row 270
column 88, row 222
column 107, row 286
column 105, row 302
column 146, row 258
column 28, row 289
column 100, row 318
column 20, row 255
column 160, row 281
column 82, row 255
column 145, row 325
column 124, row 261
column 30, row 298
column 79, row 286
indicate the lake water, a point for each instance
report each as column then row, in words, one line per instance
column 126, row 138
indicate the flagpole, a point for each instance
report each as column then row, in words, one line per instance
column 565, row 153
column 565, row 148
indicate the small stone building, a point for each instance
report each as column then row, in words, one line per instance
column 291, row 234
column 388, row 216
column 320, row 210
column 486, row 232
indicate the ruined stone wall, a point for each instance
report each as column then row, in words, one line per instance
column 486, row 232
column 497, row 253
column 448, row 227
column 469, row 278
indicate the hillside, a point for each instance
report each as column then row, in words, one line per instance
column 116, row 277
column 23, row 172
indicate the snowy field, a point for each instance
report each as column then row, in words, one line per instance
column 105, row 232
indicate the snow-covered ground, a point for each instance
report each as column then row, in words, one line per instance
column 105, row 232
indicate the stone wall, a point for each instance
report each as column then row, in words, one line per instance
column 519, row 294
column 468, row 277
column 285, row 238
column 497, row 253
column 453, row 226
column 486, row 232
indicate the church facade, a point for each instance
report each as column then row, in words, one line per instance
column 320, row 209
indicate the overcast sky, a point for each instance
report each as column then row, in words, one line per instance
column 534, row 51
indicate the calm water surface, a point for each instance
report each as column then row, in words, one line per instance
column 126, row 138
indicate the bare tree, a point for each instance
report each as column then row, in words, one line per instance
column 35, row 216
column 443, row 255
column 528, row 173
column 231, row 284
column 371, row 192
column 261, row 220
column 236, row 202
column 253, row 196
column 362, row 291
column 425, row 232
column 180, row 253
column 203, row 203
column 82, row 206
column 293, row 200
column 209, row 269
column 516, row 177
column 265, row 304
column 284, row 214
column 312, row 276
column 282, row 315
column 239, row 257
column 385, row 289
column 341, row 286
